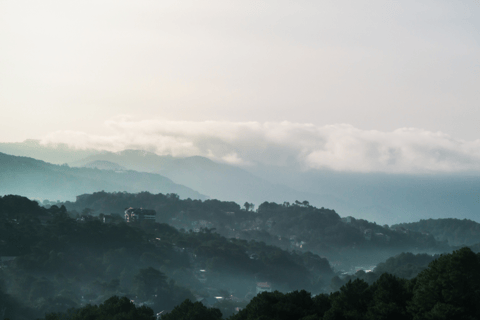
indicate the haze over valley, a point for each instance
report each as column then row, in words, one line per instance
column 274, row 160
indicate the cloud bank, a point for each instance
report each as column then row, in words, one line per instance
column 340, row 147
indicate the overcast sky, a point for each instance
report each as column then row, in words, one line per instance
column 360, row 66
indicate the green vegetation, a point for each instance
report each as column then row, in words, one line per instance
column 457, row 232
column 290, row 226
column 60, row 262
column 448, row 289
column 56, row 264
column 112, row 309
column 405, row 266
column 38, row 179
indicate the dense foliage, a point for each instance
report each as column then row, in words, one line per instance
column 39, row 179
column 61, row 262
column 405, row 266
column 114, row 308
column 298, row 226
column 457, row 232
column 448, row 289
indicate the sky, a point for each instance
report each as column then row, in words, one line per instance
column 350, row 85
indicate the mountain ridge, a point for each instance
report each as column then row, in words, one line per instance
column 39, row 179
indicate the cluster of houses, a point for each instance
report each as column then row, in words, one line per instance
column 130, row 215
column 139, row 215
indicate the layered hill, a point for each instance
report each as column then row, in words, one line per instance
column 217, row 180
column 298, row 226
column 457, row 232
column 104, row 165
column 38, row 179
column 387, row 198
column 56, row 154
column 380, row 197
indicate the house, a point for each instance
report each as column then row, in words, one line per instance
column 139, row 215
column 263, row 287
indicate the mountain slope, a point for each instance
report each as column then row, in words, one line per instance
column 388, row 198
column 457, row 232
column 104, row 165
column 57, row 154
column 217, row 180
column 37, row 179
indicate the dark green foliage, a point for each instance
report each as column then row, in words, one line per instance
column 279, row 306
column 151, row 285
column 457, row 232
column 114, row 308
column 449, row 288
column 38, row 179
column 149, row 282
column 11, row 308
column 351, row 302
column 16, row 207
column 389, row 300
column 405, row 265
column 65, row 263
column 192, row 311
column 289, row 226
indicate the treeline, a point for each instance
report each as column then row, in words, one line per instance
column 457, row 232
column 39, row 179
column 448, row 289
column 61, row 262
column 297, row 226
column 405, row 265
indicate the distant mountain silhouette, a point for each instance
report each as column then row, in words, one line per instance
column 56, row 154
column 380, row 197
column 38, row 179
column 217, row 180
column 104, row 165
column 388, row 198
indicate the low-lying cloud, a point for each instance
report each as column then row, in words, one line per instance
column 340, row 147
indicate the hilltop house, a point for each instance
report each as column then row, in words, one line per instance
column 139, row 214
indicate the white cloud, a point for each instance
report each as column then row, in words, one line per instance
column 339, row 147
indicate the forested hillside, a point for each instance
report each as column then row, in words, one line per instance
column 52, row 153
column 457, row 232
column 216, row 180
column 51, row 262
column 298, row 225
column 447, row 289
